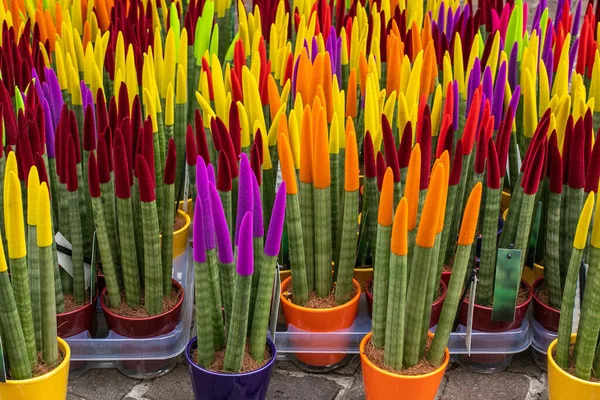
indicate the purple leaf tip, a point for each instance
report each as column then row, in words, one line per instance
column 245, row 259
column 276, row 225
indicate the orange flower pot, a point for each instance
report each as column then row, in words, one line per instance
column 320, row 320
column 383, row 385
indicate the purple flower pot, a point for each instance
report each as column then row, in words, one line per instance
column 210, row 385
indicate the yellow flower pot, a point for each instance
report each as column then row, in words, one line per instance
column 530, row 275
column 504, row 201
column 190, row 207
column 563, row 386
column 51, row 386
column 180, row 236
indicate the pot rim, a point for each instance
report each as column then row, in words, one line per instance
column 62, row 345
column 518, row 306
column 79, row 309
column 191, row 363
column 185, row 226
column 538, row 282
column 174, row 282
column 552, row 364
column 288, row 303
column 365, row 359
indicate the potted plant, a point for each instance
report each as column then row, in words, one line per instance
column 233, row 356
column 38, row 367
column 396, row 353
column 148, row 302
column 573, row 359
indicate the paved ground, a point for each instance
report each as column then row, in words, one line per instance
column 523, row 380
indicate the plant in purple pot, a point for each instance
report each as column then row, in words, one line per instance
column 232, row 356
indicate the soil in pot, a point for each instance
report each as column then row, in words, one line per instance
column 76, row 318
column 71, row 305
column 248, row 363
column 125, row 310
column 179, row 222
column 376, row 357
column 571, row 369
column 315, row 302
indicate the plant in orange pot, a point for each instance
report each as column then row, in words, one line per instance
column 399, row 358
column 312, row 299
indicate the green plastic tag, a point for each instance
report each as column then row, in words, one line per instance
column 506, row 286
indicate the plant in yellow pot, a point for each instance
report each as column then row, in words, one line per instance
column 574, row 359
column 399, row 358
column 38, row 366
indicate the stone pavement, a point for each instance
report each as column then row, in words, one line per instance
column 523, row 380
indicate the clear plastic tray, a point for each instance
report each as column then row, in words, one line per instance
column 348, row 340
column 539, row 345
column 136, row 358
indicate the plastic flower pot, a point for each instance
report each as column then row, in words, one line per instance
column 320, row 320
column 532, row 274
column 209, row 385
column 284, row 274
column 190, row 207
column 482, row 321
column 140, row 328
column 436, row 306
column 564, row 386
column 383, row 385
column 364, row 276
column 545, row 315
column 180, row 236
column 52, row 385
column 80, row 320
column 504, row 201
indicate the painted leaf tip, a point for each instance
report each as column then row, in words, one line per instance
column 583, row 224
column 170, row 163
column 272, row 244
column 245, row 260
column 399, row 243
column 386, row 199
column 471, row 214
column 145, row 180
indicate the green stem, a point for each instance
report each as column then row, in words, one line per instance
column 262, row 307
column 395, row 339
column 347, row 256
column 219, row 340
column 307, row 217
column 487, row 265
column 204, row 327
column 34, row 283
column 12, row 332
column 236, row 337
column 75, row 229
column 153, row 288
column 129, row 260
column 48, row 306
column 20, row 284
column 381, row 283
column 108, row 263
column 167, row 239
column 323, row 241
column 552, row 251
column 296, row 245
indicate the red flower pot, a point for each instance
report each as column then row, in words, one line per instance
column 144, row 327
column 482, row 321
column 436, row 306
column 545, row 315
column 79, row 320
column 482, row 316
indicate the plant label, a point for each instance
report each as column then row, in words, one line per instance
column 94, row 267
column 506, row 284
column 472, row 292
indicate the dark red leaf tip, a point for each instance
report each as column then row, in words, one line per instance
column 405, row 147
column 93, row 179
column 122, row 183
column 456, row 168
column 593, row 171
column 255, row 163
column 41, row 167
column 531, row 177
column 556, row 170
column 191, row 154
column 201, row 144
column 493, row 169
column 576, row 178
column 224, row 173
column 381, row 167
column 89, row 131
column 369, row 155
column 391, row 157
column 145, row 180
column 481, row 152
column 170, row 163
column 71, row 164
